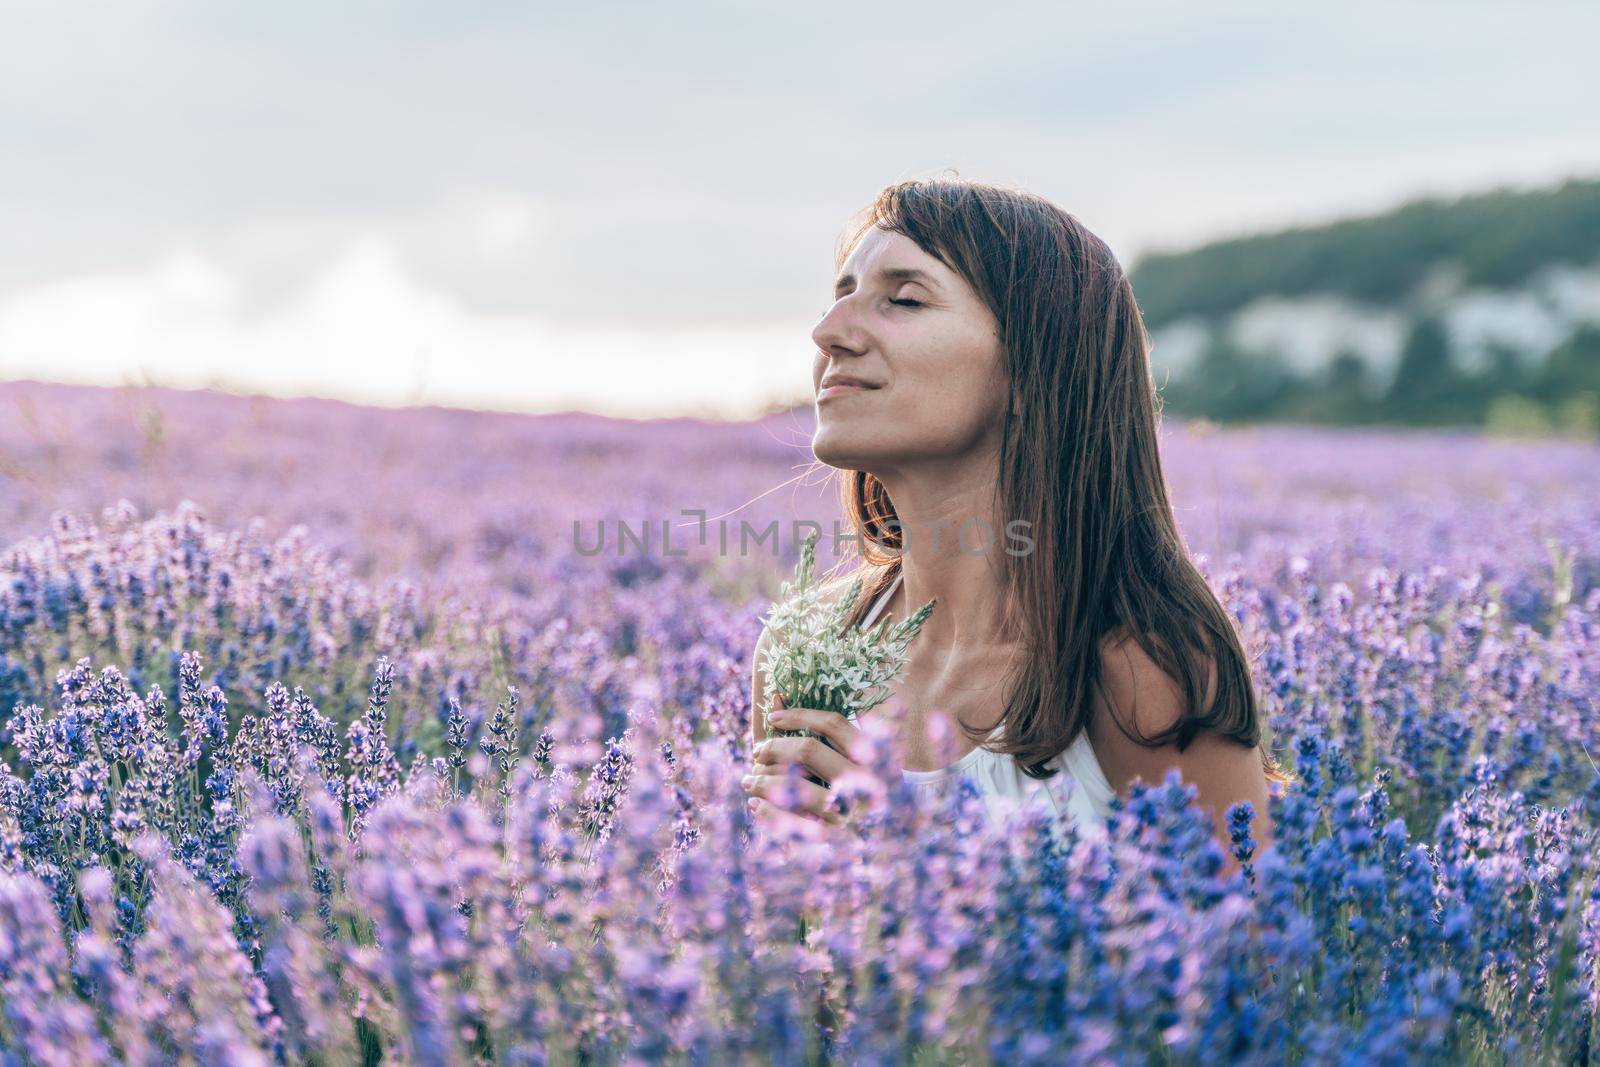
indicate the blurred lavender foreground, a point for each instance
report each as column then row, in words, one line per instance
column 324, row 743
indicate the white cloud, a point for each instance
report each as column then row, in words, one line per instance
column 366, row 330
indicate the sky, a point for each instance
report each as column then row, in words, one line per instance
column 631, row 208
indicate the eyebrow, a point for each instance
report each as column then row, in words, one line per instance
column 893, row 274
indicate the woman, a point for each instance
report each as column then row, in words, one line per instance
column 983, row 379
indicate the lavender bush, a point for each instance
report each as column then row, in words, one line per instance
column 455, row 793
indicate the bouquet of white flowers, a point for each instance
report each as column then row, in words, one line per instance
column 815, row 663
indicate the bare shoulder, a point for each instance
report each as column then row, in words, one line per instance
column 1137, row 696
column 1138, row 692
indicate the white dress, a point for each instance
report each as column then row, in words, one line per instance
column 1079, row 789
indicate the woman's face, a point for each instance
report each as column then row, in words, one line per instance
column 928, row 350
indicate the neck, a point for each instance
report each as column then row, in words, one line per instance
column 955, row 542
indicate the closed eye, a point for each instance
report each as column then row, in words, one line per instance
column 907, row 303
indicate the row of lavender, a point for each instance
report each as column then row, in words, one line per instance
column 501, row 821
column 483, row 504
column 275, row 883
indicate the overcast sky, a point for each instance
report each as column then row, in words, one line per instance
column 631, row 207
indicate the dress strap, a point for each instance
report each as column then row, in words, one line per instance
column 882, row 601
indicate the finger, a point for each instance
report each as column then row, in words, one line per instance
column 831, row 726
column 758, row 767
column 811, row 753
column 784, row 787
column 776, row 788
column 773, row 795
column 830, row 812
column 768, row 811
column 770, row 815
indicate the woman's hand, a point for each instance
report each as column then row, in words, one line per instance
column 821, row 756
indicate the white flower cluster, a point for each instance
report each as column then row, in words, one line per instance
column 814, row 662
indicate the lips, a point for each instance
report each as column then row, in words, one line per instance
column 840, row 379
column 838, row 389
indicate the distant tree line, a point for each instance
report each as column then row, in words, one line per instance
column 1498, row 239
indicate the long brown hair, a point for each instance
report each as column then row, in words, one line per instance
column 1080, row 462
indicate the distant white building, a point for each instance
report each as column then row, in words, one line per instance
column 1307, row 332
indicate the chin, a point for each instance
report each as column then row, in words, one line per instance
column 838, row 447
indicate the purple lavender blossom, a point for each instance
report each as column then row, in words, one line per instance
column 273, row 870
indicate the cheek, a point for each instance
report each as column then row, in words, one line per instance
column 961, row 375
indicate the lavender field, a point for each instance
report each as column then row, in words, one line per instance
column 325, row 741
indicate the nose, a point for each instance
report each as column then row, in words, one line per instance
column 836, row 333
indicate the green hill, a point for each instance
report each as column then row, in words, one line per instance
column 1439, row 312
column 1499, row 239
